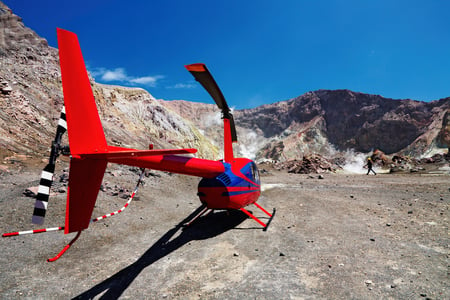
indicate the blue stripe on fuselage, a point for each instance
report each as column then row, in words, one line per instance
column 237, row 180
column 235, row 193
column 230, row 179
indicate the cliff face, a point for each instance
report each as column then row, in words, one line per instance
column 444, row 133
column 30, row 87
column 320, row 122
column 341, row 120
column 131, row 117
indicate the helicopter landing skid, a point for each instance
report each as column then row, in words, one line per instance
column 265, row 225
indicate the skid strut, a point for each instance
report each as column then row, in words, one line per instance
column 65, row 248
column 265, row 225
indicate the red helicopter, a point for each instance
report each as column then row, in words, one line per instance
column 231, row 183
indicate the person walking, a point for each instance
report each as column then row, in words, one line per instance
column 369, row 166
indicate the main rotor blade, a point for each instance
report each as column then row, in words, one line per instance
column 233, row 129
column 202, row 75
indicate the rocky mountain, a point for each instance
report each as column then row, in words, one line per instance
column 321, row 122
column 325, row 121
column 30, row 87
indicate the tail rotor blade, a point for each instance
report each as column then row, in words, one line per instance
column 62, row 126
column 40, row 206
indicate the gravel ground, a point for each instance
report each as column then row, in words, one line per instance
column 340, row 237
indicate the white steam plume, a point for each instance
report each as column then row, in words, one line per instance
column 355, row 162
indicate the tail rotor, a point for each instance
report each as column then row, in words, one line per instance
column 40, row 206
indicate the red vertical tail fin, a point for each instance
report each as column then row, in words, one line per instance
column 85, row 131
column 83, row 123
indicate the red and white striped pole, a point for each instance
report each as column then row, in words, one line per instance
column 32, row 231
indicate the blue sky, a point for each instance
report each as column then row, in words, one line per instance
column 258, row 51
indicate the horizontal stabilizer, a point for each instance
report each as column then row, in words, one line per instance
column 117, row 153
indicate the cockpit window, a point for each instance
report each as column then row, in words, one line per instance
column 255, row 173
column 251, row 172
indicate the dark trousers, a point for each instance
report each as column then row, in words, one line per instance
column 370, row 169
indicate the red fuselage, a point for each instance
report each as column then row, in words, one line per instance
column 223, row 185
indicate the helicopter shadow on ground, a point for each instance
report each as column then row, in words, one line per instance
column 204, row 227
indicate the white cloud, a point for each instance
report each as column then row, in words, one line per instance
column 120, row 74
column 96, row 72
column 182, row 86
column 147, row 80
